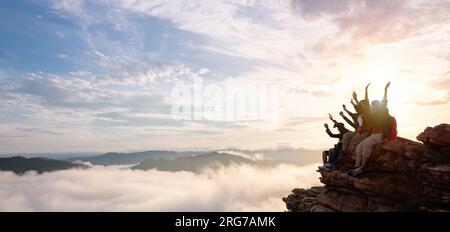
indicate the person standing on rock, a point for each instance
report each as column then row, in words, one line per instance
column 329, row 157
column 381, row 125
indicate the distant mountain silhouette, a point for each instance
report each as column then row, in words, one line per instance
column 293, row 155
column 20, row 165
column 199, row 162
column 285, row 154
column 115, row 158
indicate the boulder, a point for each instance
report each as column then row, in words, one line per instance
column 437, row 136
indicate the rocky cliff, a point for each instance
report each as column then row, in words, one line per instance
column 402, row 175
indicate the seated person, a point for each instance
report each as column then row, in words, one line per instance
column 353, row 122
column 330, row 157
column 359, row 121
column 382, row 127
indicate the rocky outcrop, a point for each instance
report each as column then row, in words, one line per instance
column 434, row 174
column 402, row 175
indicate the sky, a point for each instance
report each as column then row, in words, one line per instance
column 97, row 76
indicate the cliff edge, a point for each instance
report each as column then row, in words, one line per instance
column 401, row 175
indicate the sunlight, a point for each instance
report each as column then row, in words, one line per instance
column 378, row 70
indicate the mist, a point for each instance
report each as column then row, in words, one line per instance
column 227, row 189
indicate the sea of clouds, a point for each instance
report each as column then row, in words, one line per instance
column 233, row 188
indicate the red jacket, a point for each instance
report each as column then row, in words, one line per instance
column 394, row 132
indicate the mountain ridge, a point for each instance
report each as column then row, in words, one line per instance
column 199, row 162
column 21, row 165
column 294, row 155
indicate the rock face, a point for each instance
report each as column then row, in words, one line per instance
column 401, row 175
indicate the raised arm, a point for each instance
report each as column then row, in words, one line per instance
column 355, row 97
column 366, row 100
column 350, row 122
column 331, row 118
column 354, row 105
column 354, row 116
column 385, row 98
column 330, row 133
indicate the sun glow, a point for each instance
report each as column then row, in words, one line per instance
column 378, row 71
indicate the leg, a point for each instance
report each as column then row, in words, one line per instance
column 365, row 159
column 346, row 140
column 368, row 145
column 324, row 157
column 336, row 152
column 359, row 150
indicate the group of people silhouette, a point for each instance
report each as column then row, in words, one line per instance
column 372, row 124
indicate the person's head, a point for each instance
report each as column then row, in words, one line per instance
column 340, row 126
column 360, row 107
column 376, row 106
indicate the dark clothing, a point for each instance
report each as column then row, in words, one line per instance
column 354, row 117
column 338, row 136
column 336, row 152
column 350, row 122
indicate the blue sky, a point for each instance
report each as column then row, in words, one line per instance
column 97, row 75
column 38, row 37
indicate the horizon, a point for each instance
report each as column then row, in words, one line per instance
column 65, row 155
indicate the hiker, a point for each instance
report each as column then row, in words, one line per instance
column 330, row 156
column 382, row 126
column 360, row 121
column 353, row 122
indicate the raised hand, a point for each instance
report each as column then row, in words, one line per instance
column 355, row 96
column 326, row 125
column 344, row 107
column 341, row 113
column 331, row 117
column 387, row 85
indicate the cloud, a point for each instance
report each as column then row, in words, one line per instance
column 442, row 83
column 81, row 93
column 312, row 9
column 38, row 130
column 442, row 101
column 321, row 93
column 433, row 103
column 127, row 119
column 359, row 24
column 236, row 188
column 230, row 28
column 298, row 91
column 304, row 120
column 73, row 6
column 126, row 55
column 62, row 56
